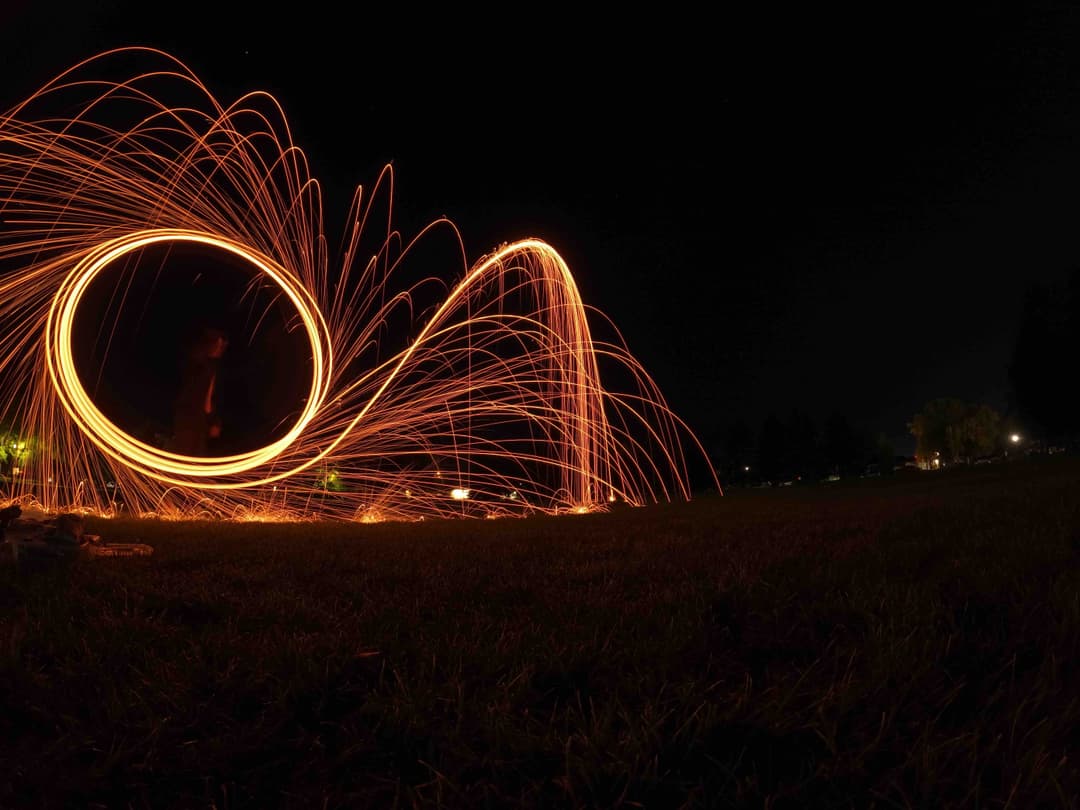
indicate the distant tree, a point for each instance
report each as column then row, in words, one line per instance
column 804, row 451
column 1045, row 389
column 930, row 427
column 773, row 456
column 978, row 434
column 885, row 454
column 738, row 452
column 844, row 449
column 20, row 450
column 955, row 430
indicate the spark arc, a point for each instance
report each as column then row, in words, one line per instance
column 431, row 385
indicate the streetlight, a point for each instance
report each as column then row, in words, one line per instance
column 1014, row 441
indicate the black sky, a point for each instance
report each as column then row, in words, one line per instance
column 823, row 210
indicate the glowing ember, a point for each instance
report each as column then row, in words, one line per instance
column 496, row 381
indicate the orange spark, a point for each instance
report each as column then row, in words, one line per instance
column 498, row 393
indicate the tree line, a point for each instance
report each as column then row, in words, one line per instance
column 952, row 431
column 796, row 448
column 1043, row 409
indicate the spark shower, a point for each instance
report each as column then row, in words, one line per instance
column 477, row 387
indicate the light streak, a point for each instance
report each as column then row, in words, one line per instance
column 497, row 389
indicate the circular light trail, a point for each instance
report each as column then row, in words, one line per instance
column 115, row 442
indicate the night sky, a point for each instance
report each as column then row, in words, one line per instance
column 826, row 211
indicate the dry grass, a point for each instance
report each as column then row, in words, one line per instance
column 907, row 642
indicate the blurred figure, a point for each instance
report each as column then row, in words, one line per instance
column 195, row 416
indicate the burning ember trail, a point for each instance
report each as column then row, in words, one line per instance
column 422, row 397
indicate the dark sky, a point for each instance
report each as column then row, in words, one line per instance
column 825, row 210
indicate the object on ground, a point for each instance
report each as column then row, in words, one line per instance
column 59, row 539
column 119, row 550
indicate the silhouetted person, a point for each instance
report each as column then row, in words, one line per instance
column 195, row 418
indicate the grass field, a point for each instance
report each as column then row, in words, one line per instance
column 897, row 642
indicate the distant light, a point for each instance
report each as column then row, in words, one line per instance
column 746, row 468
column 1015, row 438
column 460, row 494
